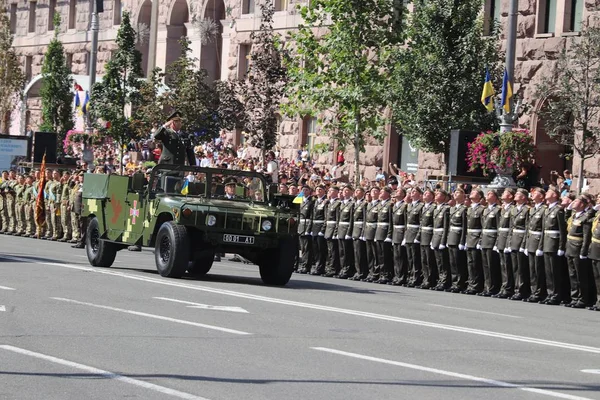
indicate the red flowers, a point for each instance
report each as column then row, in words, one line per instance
column 492, row 151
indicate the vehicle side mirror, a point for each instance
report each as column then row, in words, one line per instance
column 137, row 182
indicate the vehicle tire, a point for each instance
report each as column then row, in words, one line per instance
column 172, row 251
column 202, row 263
column 100, row 253
column 277, row 265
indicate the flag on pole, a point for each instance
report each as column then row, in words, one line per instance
column 487, row 95
column 86, row 103
column 507, row 92
column 184, row 188
column 77, row 103
column 299, row 198
column 40, row 205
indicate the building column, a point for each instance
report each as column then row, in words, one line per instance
column 226, row 48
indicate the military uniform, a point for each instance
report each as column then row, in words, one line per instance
column 19, row 209
column 174, row 151
column 489, row 256
column 345, row 242
column 29, row 211
column 457, row 236
column 370, row 228
column 398, row 230
column 517, row 239
column 10, row 205
column 383, row 242
column 48, row 196
column 3, row 207
column 332, row 263
column 508, row 278
column 360, row 247
column 65, row 212
column 55, row 199
column 318, row 233
column 594, row 255
column 304, row 231
column 411, row 239
column 75, row 209
column 441, row 226
column 536, row 263
column 473, row 244
column 427, row 256
column 579, row 237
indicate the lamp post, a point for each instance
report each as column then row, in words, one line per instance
column 94, row 27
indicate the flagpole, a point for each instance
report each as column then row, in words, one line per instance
column 507, row 119
column 94, row 27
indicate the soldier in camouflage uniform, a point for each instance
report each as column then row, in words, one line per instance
column 10, row 202
column 3, row 207
column 77, row 210
column 75, row 207
column 20, row 206
column 49, row 225
column 29, row 207
column 65, row 212
column 56, row 191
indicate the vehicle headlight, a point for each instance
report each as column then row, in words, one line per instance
column 211, row 220
column 266, row 225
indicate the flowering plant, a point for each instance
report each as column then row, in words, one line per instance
column 494, row 151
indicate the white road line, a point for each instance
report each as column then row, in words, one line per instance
column 451, row 374
column 204, row 306
column 6, row 288
column 2, row 308
column 163, row 318
column 591, row 371
column 104, row 374
column 475, row 311
column 173, row 283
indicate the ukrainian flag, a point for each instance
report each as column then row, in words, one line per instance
column 184, row 188
column 77, row 102
column 487, row 96
column 299, row 198
column 86, row 103
column 507, row 92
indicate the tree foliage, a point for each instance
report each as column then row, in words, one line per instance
column 571, row 94
column 12, row 78
column 339, row 67
column 119, row 93
column 265, row 85
column 439, row 74
column 150, row 111
column 57, row 89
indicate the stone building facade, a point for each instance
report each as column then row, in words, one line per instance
column 545, row 28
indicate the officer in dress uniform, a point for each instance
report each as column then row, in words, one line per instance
column 383, row 237
column 398, row 230
column 411, row 238
column 359, row 243
column 489, row 251
column 553, row 245
column 370, row 228
column 177, row 148
column 305, row 230
column 473, row 239
column 457, row 236
column 426, row 234
column 517, row 238
column 441, row 226
column 579, row 237
column 332, row 210
column 318, row 232
column 533, row 247
column 344, row 233
column 594, row 255
column 507, row 289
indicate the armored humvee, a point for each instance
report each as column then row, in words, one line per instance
column 188, row 214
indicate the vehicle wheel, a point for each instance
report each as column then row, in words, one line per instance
column 202, row 263
column 100, row 253
column 277, row 265
column 172, row 251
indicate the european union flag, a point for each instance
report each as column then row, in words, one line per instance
column 487, row 95
column 507, row 92
column 184, row 188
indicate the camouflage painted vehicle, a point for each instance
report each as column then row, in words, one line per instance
column 187, row 214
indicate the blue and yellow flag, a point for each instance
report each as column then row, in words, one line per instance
column 507, row 92
column 184, row 188
column 77, row 103
column 487, row 96
column 86, row 103
column 299, row 198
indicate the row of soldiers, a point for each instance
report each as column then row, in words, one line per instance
column 512, row 244
column 62, row 200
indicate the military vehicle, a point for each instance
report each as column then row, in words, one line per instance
column 188, row 214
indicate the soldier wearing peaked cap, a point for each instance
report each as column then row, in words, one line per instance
column 383, row 237
column 428, row 263
column 359, row 243
column 332, row 210
column 305, row 231
column 344, row 234
column 508, row 280
column 533, row 248
column 177, row 148
column 579, row 236
column 519, row 221
column 398, row 230
column 489, row 251
column 318, row 232
column 457, row 235
column 441, row 227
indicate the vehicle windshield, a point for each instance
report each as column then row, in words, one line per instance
column 208, row 183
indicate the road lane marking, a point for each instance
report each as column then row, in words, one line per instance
column 2, row 309
column 6, row 288
column 591, row 371
column 204, row 306
column 172, row 283
column 475, row 311
column 160, row 317
column 104, row 374
column 451, row 374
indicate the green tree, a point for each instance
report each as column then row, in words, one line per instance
column 117, row 98
column 150, row 111
column 439, row 75
column 57, row 89
column 265, row 84
column 339, row 67
column 572, row 96
column 12, row 78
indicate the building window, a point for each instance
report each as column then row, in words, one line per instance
column 546, row 16
column 281, row 5
column 32, row 15
column 310, row 126
column 51, row 12
column 247, row 6
column 70, row 61
column 13, row 18
column 118, row 11
column 492, row 16
column 72, row 13
column 28, row 67
column 573, row 15
column 244, row 60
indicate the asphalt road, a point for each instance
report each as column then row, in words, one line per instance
column 71, row 331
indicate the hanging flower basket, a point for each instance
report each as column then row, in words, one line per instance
column 494, row 151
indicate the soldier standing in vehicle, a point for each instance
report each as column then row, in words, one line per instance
column 411, row 238
column 305, row 230
column 398, row 230
column 457, row 235
column 359, row 243
column 318, row 232
column 579, row 230
column 383, row 237
column 176, row 146
column 533, row 248
column 441, row 226
column 332, row 209
column 344, row 233
column 519, row 221
column 426, row 234
column 370, row 228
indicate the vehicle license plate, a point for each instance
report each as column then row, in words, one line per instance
column 238, row 239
